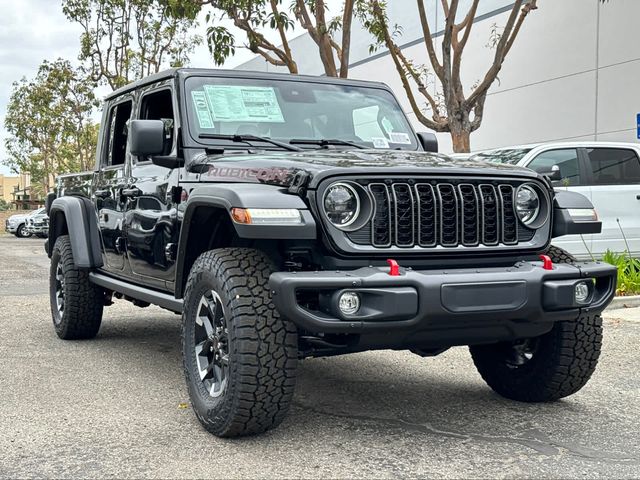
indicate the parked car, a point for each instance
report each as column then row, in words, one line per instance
column 607, row 173
column 17, row 224
column 287, row 217
column 38, row 223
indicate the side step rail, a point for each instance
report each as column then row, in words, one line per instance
column 160, row 299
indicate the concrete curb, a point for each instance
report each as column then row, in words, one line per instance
column 624, row 302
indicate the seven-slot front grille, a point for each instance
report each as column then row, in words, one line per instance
column 410, row 214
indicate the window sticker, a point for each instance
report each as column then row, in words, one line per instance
column 243, row 104
column 202, row 109
column 380, row 142
column 400, row 137
column 387, row 125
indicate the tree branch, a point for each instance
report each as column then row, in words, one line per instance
column 428, row 41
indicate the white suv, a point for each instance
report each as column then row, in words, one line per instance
column 605, row 172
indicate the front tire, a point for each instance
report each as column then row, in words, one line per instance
column 22, row 231
column 546, row 368
column 239, row 355
column 76, row 303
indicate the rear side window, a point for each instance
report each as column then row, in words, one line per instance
column 614, row 166
column 566, row 160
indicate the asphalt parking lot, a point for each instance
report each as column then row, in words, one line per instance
column 117, row 406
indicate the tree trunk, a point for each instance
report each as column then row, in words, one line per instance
column 461, row 141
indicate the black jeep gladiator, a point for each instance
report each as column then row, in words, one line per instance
column 287, row 217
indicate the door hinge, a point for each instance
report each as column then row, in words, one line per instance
column 170, row 252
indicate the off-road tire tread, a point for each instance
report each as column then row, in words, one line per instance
column 84, row 301
column 565, row 361
column 558, row 255
column 263, row 345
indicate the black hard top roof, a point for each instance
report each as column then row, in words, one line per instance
column 213, row 72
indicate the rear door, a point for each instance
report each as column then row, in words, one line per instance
column 615, row 187
column 573, row 173
column 110, row 180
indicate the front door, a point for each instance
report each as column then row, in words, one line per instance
column 615, row 185
column 151, row 214
column 110, row 181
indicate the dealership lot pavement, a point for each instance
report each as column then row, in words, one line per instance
column 115, row 406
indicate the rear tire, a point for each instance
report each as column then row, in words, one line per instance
column 552, row 366
column 76, row 303
column 240, row 356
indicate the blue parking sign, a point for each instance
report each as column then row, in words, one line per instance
column 638, row 125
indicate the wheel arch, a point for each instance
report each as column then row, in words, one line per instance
column 207, row 222
column 75, row 216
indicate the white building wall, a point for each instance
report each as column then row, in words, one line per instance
column 572, row 74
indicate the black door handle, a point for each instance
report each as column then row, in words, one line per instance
column 102, row 193
column 637, row 197
column 132, row 192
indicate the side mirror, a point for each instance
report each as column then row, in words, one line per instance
column 146, row 137
column 553, row 174
column 428, row 141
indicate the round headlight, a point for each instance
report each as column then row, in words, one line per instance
column 527, row 204
column 341, row 204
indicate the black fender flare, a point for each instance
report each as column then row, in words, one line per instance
column 240, row 195
column 79, row 216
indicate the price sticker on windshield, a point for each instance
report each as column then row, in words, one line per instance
column 243, row 104
column 400, row 137
column 202, row 109
column 380, row 142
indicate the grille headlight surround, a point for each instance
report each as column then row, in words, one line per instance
column 341, row 204
column 527, row 204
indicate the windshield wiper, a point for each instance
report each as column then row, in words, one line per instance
column 249, row 138
column 326, row 142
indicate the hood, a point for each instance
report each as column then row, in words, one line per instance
column 281, row 168
column 18, row 216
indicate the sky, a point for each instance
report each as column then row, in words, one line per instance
column 34, row 30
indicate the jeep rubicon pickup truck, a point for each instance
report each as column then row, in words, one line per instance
column 287, row 217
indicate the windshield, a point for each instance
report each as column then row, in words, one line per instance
column 504, row 155
column 287, row 110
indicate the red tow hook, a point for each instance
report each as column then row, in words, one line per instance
column 394, row 268
column 547, row 264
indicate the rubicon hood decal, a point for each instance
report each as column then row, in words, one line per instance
column 281, row 168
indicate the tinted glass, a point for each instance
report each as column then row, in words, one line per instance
column 566, row 160
column 612, row 166
column 118, row 131
column 159, row 106
column 285, row 110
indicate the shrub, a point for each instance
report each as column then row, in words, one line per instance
column 628, row 272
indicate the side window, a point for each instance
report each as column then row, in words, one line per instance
column 365, row 123
column 614, row 166
column 159, row 106
column 566, row 161
column 115, row 153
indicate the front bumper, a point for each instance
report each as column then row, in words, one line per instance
column 461, row 306
column 10, row 227
column 37, row 229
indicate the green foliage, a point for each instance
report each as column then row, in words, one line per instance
column 4, row 205
column 628, row 272
column 124, row 40
column 49, row 122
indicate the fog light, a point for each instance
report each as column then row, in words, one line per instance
column 581, row 292
column 349, row 303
